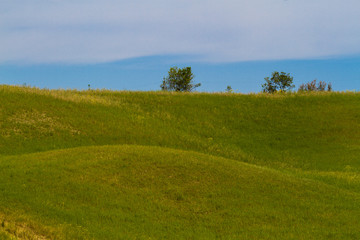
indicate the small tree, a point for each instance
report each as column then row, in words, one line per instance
column 278, row 81
column 179, row 80
column 229, row 89
column 329, row 88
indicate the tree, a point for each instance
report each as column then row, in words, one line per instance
column 179, row 80
column 278, row 81
column 229, row 89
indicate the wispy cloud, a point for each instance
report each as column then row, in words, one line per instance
column 82, row 31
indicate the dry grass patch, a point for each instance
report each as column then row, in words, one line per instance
column 12, row 229
column 41, row 122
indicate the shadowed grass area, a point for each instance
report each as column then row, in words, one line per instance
column 303, row 178
column 116, row 192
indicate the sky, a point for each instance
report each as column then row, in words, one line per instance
column 130, row 45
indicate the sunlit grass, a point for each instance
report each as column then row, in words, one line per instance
column 150, row 192
column 301, row 180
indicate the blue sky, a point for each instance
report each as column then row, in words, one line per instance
column 131, row 45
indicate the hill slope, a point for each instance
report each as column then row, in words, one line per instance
column 116, row 192
column 303, row 178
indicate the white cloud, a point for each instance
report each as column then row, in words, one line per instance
column 83, row 31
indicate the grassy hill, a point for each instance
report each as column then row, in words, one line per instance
column 154, row 165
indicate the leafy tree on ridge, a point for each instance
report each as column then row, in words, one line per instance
column 278, row 81
column 179, row 80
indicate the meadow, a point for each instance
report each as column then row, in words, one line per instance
column 102, row 164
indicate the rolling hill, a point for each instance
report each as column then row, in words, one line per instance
column 104, row 164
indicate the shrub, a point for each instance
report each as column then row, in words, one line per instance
column 314, row 86
column 179, row 80
column 229, row 89
column 278, row 82
column 329, row 88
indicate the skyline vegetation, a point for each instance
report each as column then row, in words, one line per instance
column 181, row 80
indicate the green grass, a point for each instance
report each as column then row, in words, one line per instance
column 155, row 165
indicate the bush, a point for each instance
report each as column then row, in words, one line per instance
column 278, row 82
column 229, row 89
column 179, row 80
column 314, row 86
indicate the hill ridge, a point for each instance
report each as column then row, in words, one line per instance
column 266, row 168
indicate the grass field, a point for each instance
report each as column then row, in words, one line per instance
column 102, row 164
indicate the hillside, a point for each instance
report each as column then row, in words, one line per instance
column 151, row 165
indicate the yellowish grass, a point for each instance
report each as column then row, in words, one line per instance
column 40, row 121
column 19, row 229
